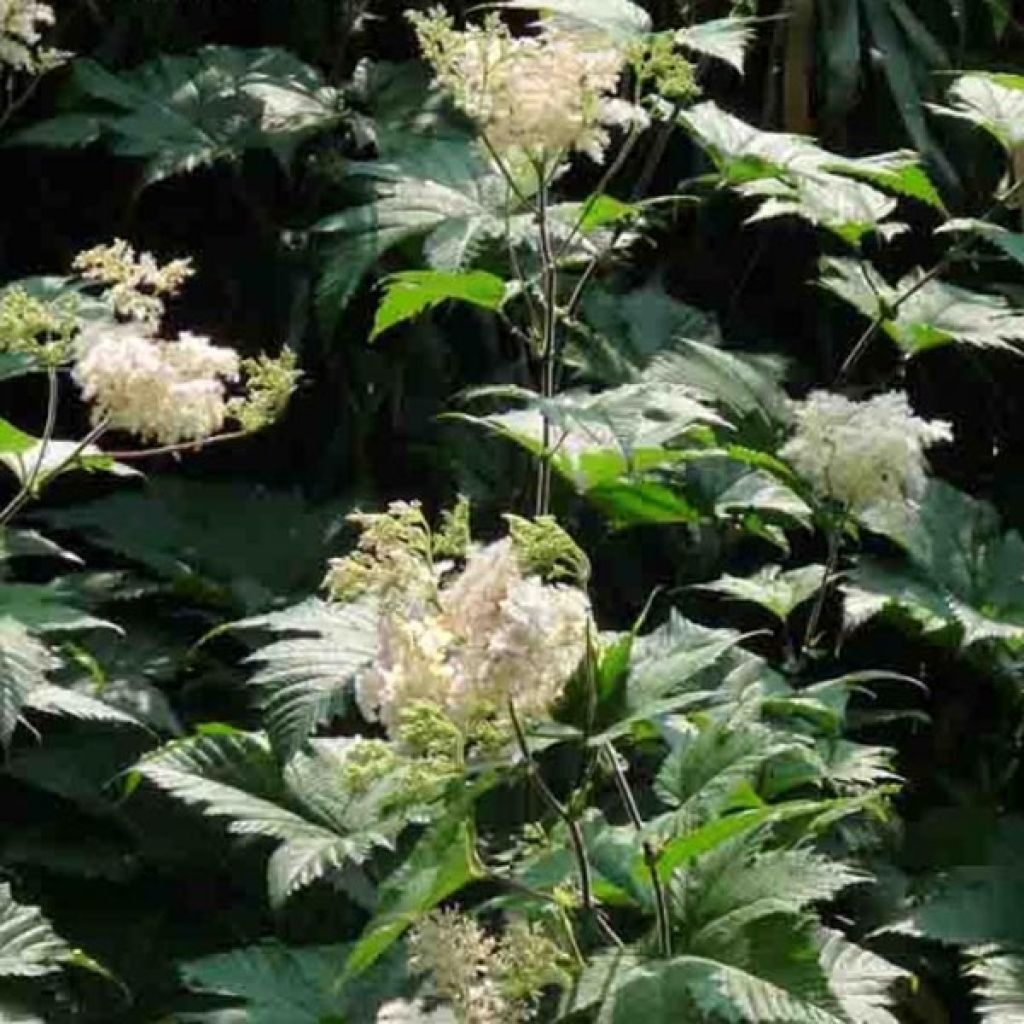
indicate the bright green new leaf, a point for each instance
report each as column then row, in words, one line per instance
column 412, row 292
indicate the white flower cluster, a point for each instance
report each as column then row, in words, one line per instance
column 165, row 391
column 493, row 635
column 541, row 96
column 865, row 455
column 20, row 34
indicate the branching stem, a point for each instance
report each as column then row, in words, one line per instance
column 650, row 857
column 576, row 842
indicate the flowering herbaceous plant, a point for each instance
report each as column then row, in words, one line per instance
column 514, row 812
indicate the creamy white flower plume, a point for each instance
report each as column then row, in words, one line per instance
column 164, row 391
column 865, row 455
column 541, row 96
column 495, row 636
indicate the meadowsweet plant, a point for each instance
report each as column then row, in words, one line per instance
column 167, row 392
column 522, row 761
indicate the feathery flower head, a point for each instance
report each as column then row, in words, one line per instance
column 864, row 455
column 464, row 641
column 164, row 391
column 542, row 96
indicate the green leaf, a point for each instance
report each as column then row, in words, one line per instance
column 791, row 175
column 14, row 441
column 862, row 981
column 725, row 39
column 627, row 328
column 993, row 102
column 776, row 590
column 24, row 664
column 711, row 763
column 29, row 947
column 998, row 977
column 961, row 573
column 60, row 457
column 411, row 292
column 935, row 314
column 784, row 985
column 179, row 113
column 277, row 983
column 185, row 532
column 621, row 20
column 442, row 862
column 303, row 679
column 320, row 827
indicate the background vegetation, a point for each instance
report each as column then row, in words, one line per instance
column 295, row 152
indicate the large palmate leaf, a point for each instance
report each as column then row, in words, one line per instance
column 319, row 827
column 992, row 101
column 29, row 947
column 919, row 313
column 782, row 984
column 961, row 572
column 998, row 977
column 609, row 446
column 276, row 983
column 973, row 892
column 182, row 112
column 186, row 532
column 304, row 677
column 791, row 175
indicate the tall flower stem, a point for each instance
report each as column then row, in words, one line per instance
column 650, row 858
column 576, row 842
column 548, row 342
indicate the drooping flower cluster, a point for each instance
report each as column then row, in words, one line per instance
column 164, row 391
column 485, row 980
column 864, row 455
column 136, row 284
column 21, row 25
column 465, row 642
column 542, row 96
